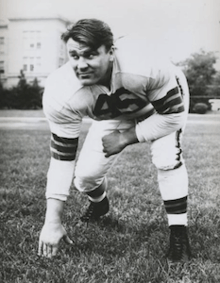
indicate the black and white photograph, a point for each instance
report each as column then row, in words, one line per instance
column 109, row 141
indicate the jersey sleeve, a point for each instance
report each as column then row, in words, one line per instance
column 164, row 93
column 65, row 127
column 166, row 96
column 62, row 166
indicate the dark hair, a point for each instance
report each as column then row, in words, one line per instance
column 91, row 32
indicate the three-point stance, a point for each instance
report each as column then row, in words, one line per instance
column 136, row 96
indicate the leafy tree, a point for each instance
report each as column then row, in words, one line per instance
column 19, row 93
column 3, row 97
column 35, row 95
column 22, row 83
column 22, row 96
column 200, row 72
column 214, row 88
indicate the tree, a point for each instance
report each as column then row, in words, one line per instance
column 35, row 95
column 199, row 70
column 214, row 88
column 200, row 73
column 3, row 95
column 23, row 95
column 20, row 93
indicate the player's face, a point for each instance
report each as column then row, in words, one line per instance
column 90, row 66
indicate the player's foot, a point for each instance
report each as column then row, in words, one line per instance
column 179, row 249
column 95, row 210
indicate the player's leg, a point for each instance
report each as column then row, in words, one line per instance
column 172, row 176
column 92, row 167
column 173, row 185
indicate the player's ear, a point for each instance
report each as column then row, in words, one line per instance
column 111, row 52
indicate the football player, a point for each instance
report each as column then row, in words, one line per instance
column 135, row 96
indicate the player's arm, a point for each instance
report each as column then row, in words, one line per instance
column 171, row 112
column 53, row 230
column 115, row 142
column 154, row 127
column 64, row 140
column 59, row 179
column 170, row 117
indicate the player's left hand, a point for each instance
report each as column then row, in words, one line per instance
column 113, row 143
column 50, row 237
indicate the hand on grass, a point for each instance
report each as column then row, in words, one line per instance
column 50, row 237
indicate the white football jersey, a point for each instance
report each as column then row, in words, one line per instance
column 141, row 85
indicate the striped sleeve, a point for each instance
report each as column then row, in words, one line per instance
column 63, row 148
column 164, row 91
column 62, row 166
column 171, row 103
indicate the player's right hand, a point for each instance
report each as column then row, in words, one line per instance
column 50, row 237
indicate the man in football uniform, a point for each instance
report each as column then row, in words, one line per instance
column 135, row 97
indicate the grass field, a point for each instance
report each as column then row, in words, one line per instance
column 128, row 245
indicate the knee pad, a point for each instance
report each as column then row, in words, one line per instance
column 87, row 184
column 166, row 152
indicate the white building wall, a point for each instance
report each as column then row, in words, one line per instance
column 34, row 46
column 3, row 52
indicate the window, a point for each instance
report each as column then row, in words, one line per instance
column 25, row 63
column 31, row 64
column 38, row 63
column 25, row 67
column 2, row 44
column 31, row 61
column 2, row 67
column 32, row 40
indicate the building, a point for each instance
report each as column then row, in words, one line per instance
column 32, row 45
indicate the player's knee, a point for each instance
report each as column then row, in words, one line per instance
column 166, row 164
column 167, row 153
column 86, row 183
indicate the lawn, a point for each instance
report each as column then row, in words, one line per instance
column 128, row 245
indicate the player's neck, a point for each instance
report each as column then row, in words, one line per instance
column 106, row 80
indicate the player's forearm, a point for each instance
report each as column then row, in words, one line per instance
column 129, row 137
column 59, row 179
column 158, row 126
column 54, row 211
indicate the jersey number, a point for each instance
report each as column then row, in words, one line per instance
column 118, row 103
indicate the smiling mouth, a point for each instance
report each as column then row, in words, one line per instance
column 84, row 74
